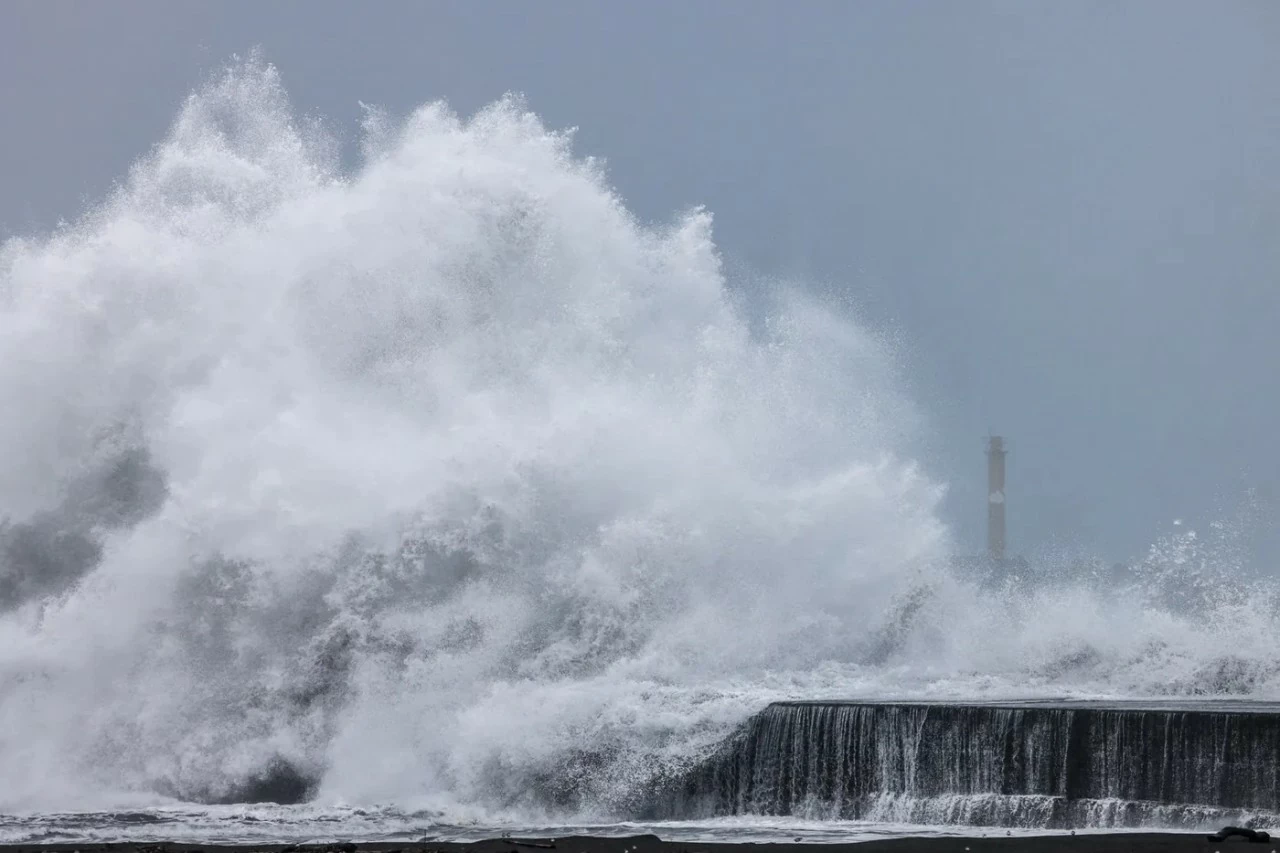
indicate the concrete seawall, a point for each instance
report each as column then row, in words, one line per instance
column 1035, row 763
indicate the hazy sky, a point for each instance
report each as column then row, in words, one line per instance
column 1069, row 210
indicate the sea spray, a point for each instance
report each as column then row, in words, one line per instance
column 441, row 481
column 456, row 475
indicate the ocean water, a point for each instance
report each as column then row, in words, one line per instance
column 310, row 824
column 441, row 485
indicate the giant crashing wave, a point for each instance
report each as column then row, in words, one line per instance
column 443, row 481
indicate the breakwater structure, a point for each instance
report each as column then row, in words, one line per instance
column 1037, row 763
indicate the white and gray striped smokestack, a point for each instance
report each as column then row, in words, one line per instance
column 995, row 497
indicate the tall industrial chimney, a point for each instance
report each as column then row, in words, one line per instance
column 995, row 497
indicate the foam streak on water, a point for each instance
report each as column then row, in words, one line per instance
column 442, row 482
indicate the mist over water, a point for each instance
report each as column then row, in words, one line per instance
column 443, row 482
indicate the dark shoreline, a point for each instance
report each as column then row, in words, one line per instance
column 1120, row 842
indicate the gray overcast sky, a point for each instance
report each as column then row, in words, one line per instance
column 1070, row 209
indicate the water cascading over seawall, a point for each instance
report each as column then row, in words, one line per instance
column 1045, row 764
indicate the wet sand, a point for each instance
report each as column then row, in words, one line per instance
column 1094, row 843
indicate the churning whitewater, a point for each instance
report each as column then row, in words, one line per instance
column 442, row 481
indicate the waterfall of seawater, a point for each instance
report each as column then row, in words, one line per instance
column 443, row 481
column 1032, row 765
